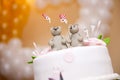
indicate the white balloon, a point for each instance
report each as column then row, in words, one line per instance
column 94, row 2
column 85, row 11
column 27, row 71
column 17, row 61
column 5, row 69
column 104, row 28
column 2, row 60
column 108, row 3
column 88, row 3
column 15, row 43
column 27, row 53
column 8, row 53
column 67, row 1
column 94, row 20
column 2, row 46
column 104, row 13
column 83, row 2
column 55, row 2
column 41, row 3
column 18, row 76
column 14, row 60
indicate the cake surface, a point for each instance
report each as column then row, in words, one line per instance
column 75, row 63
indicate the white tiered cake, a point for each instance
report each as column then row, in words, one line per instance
column 77, row 63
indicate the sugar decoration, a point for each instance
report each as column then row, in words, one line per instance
column 46, row 17
column 63, row 18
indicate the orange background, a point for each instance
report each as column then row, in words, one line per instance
column 38, row 30
column 114, row 46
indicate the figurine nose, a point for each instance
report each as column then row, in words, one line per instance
column 55, row 29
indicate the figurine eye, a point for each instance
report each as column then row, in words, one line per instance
column 71, row 27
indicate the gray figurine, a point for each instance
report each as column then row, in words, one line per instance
column 75, row 38
column 58, row 42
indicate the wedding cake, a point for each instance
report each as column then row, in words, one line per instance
column 87, row 59
column 74, row 63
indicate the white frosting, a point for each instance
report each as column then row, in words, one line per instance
column 74, row 63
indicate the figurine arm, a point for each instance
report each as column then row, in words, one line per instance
column 51, row 43
column 80, row 38
column 69, row 38
column 63, row 40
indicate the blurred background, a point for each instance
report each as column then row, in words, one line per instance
column 22, row 23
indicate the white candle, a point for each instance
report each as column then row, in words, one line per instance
column 97, row 29
column 86, row 31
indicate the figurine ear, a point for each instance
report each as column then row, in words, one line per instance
column 51, row 28
column 77, row 25
column 70, row 26
column 59, row 27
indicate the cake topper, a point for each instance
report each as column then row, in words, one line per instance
column 63, row 18
column 46, row 17
column 58, row 42
column 75, row 38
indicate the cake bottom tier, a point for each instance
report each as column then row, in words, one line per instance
column 73, row 64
